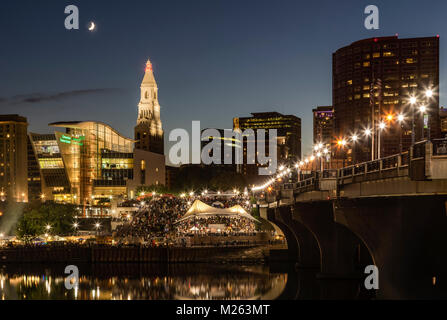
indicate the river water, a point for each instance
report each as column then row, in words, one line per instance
column 171, row 281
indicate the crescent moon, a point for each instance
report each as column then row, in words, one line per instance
column 92, row 26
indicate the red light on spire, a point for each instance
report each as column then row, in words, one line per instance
column 375, row 39
column 437, row 36
column 148, row 66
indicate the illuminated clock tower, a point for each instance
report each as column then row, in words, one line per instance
column 149, row 131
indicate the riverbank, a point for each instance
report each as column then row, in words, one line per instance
column 130, row 254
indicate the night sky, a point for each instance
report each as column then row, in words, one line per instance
column 213, row 60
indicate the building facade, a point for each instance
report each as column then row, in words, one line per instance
column 149, row 131
column 222, row 148
column 98, row 161
column 323, row 125
column 443, row 121
column 13, row 158
column 373, row 81
column 288, row 139
column 48, row 179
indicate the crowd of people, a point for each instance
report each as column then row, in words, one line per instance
column 211, row 225
column 158, row 217
column 155, row 218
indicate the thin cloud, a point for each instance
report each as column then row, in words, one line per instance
column 47, row 97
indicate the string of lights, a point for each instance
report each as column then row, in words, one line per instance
column 319, row 150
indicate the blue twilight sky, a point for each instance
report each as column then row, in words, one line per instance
column 213, row 59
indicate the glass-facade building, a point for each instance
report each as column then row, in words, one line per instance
column 98, row 160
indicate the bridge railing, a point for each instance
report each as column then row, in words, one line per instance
column 388, row 167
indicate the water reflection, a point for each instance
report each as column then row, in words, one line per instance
column 143, row 282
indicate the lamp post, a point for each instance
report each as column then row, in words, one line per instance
column 97, row 226
column 75, row 227
column 412, row 103
column 422, row 109
column 382, row 126
column 400, row 119
column 367, row 133
column 428, row 95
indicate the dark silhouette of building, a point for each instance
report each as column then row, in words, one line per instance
column 224, row 144
column 288, row 139
column 373, row 80
column 171, row 176
column 13, row 158
column 323, row 125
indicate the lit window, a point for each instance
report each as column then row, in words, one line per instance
column 143, row 165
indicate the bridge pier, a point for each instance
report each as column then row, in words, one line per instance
column 407, row 238
column 302, row 246
column 340, row 249
column 308, row 250
column 292, row 243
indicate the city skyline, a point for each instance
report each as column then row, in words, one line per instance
column 211, row 70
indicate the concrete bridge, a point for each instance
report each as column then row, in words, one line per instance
column 389, row 212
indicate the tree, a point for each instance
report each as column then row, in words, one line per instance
column 37, row 216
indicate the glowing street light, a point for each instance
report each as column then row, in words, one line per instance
column 429, row 93
column 389, row 117
column 400, row 117
column 422, row 109
column 312, row 158
column 354, row 138
column 48, row 227
column 413, row 100
column 382, row 125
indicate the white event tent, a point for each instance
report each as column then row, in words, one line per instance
column 200, row 209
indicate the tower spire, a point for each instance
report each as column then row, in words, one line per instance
column 149, row 130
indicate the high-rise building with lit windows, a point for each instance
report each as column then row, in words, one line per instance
column 323, row 124
column 288, row 139
column 373, row 80
column 13, row 158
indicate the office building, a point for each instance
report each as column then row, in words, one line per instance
column 373, row 81
column 323, row 125
column 13, row 158
column 288, row 129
